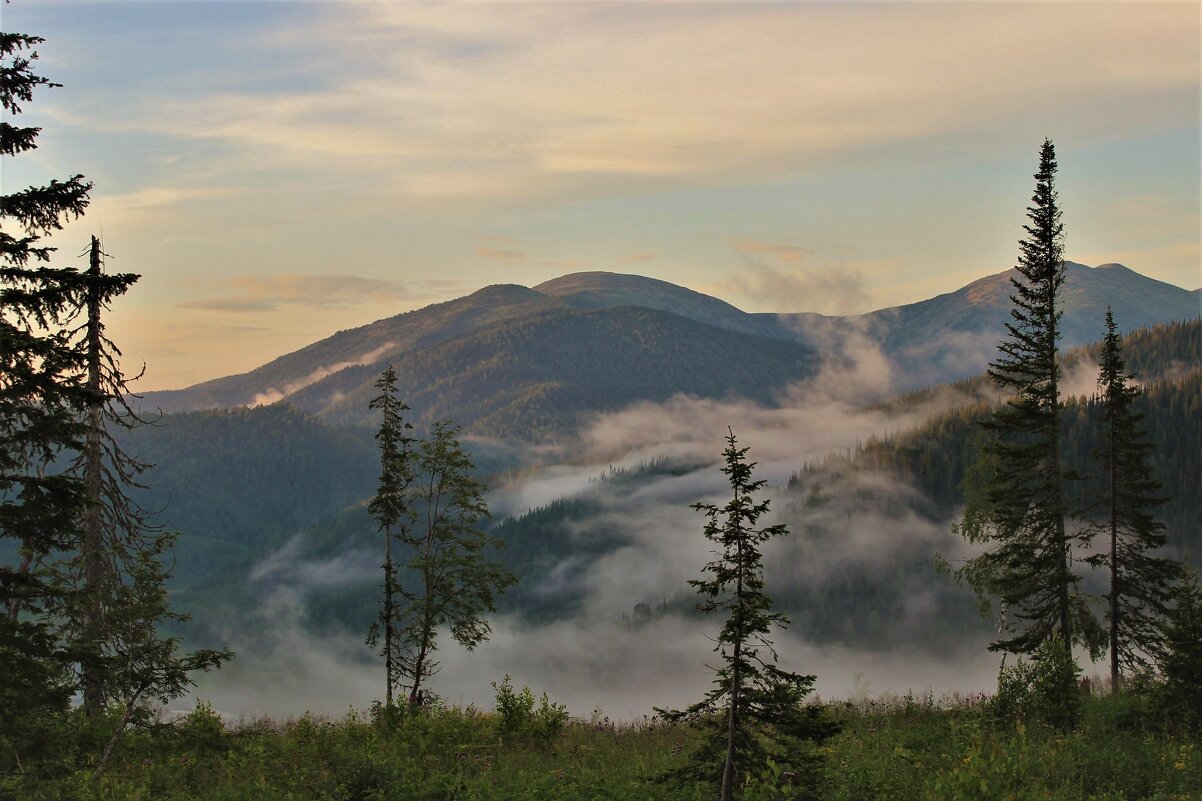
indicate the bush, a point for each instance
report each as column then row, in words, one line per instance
column 1046, row 687
column 517, row 715
column 203, row 726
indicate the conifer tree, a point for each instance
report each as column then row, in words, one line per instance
column 390, row 508
column 1021, row 511
column 755, row 710
column 1180, row 660
column 455, row 582
column 42, row 395
column 1140, row 583
column 80, row 611
column 112, row 596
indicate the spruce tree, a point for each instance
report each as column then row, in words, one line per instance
column 42, row 396
column 454, row 581
column 1140, row 582
column 1022, row 510
column 112, row 597
column 391, row 509
column 81, row 609
column 1180, row 661
column 755, row 710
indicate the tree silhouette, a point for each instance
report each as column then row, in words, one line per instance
column 1020, row 509
column 755, row 709
column 1140, row 582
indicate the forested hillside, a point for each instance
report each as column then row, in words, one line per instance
column 541, row 374
column 935, row 455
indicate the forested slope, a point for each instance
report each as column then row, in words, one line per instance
column 541, row 374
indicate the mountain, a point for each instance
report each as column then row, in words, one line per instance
column 600, row 290
column 370, row 344
column 512, row 361
column 954, row 335
column 541, row 373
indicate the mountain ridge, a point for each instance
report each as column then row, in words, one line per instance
column 931, row 341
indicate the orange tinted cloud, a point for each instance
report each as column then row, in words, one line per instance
column 268, row 293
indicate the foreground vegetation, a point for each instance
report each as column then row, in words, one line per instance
column 903, row 748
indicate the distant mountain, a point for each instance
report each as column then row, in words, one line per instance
column 539, row 373
column 371, row 344
column 600, row 290
column 513, row 361
column 954, row 335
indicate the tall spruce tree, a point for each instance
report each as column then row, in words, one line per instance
column 1021, row 511
column 1140, row 582
column 42, row 395
column 755, row 710
column 454, row 581
column 112, row 597
column 391, row 509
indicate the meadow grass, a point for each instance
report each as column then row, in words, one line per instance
column 903, row 749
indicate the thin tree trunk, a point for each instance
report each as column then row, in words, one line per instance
column 14, row 606
column 732, row 721
column 1114, row 568
column 388, row 614
column 1066, row 622
column 432, row 517
column 92, row 550
column 419, row 664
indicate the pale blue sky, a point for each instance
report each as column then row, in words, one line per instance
column 280, row 170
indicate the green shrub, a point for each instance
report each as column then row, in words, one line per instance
column 517, row 715
column 1045, row 687
column 203, row 726
column 1056, row 685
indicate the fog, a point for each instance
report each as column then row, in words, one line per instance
column 597, row 660
column 279, row 393
column 594, row 667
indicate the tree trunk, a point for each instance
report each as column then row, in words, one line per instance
column 1114, row 567
column 732, row 721
column 1066, row 621
column 390, row 670
column 419, row 665
column 92, row 547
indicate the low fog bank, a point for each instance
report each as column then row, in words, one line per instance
column 595, row 667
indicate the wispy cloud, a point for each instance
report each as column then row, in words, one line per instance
column 789, row 253
column 500, row 253
column 637, row 258
column 273, row 394
column 268, row 293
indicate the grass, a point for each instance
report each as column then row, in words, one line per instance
column 908, row 749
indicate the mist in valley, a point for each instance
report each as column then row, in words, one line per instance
column 633, row 640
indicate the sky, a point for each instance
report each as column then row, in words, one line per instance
column 278, row 171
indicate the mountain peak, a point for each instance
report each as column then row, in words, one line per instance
column 603, row 290
column 603, row 281
column 503, row 293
